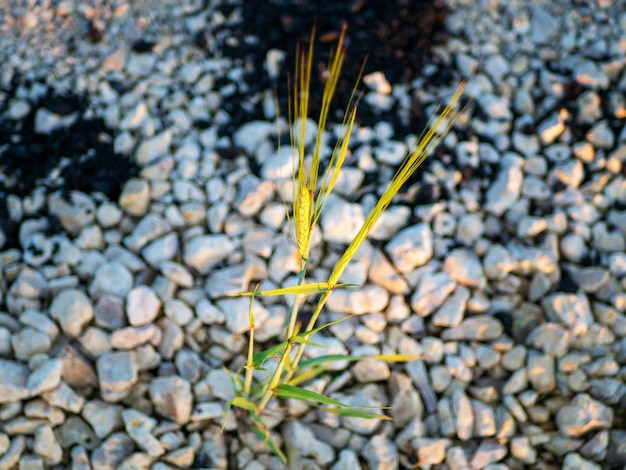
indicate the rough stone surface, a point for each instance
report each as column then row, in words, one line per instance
column 172, row 398
column 73, row 310
column 583, row 415
column 117, row 373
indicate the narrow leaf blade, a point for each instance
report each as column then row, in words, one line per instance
column 289, row 391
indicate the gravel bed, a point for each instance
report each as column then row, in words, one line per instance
column 503, row 265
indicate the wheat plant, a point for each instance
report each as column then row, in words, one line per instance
column 312, row 188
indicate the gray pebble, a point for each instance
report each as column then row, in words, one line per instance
column 73, row 310
column 506, row 188
column 28, row 342
column 341, row 220
column 112, row 451
column 11, row 457
column 541, row 373
column 522, row 450
column 583, row 415
column 117, row 373
column 550, row 338
column 65, row 398
column 432, row 291
column 149, row 228
column 571, row 309
column 348, row 460
column 172, row 398
column 176, row 273
column 135, row 197
column 456, row 459
column 46, row 376
column 205, row 252
column 75, row 212
column 301, row 442
column 172, row 340
column 484, row 419
column 111, row 278
column 479, row 328
column 47, row 446
column 411, row 247
column 139, row 427
column 131, row 337
column 380, row 453
column 464, row 267
column 142, row 305
column 103, row 417
column 76, row 431
column 573, row 461
column 488, row 452
column 13, row 380
column 463, row 414
column 542, row 25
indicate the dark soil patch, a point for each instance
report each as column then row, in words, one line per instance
column 395, row 36
column 78, row 157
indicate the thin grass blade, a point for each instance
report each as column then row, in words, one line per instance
column 304, row 289
column 289, row 391
column 355, row 413
column 262, row 356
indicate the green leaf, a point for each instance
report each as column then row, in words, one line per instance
column 320, row 328
column 241, row 402
column 355, row 413
column 229, row 404
column 262, row 356
column 264, row 435
column 327, row 359
column 289, row 391
column 396, row 357
column 302, row 289
column 308, row 375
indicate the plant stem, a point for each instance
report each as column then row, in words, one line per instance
column 293, row 315
column 293, row 311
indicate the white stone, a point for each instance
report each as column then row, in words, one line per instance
column 154, row 147
column 172, row 398
column 251, row 134
column 505, row 190
column 280, row 165
column 301, row 442
column 46, row 376
column 358, row 301
column 451, row 312
column 464, row 267
column 205, row 252
column 73, row 310
column 149, row 228
column 161, row 249
column 111, row 278
column 47, row 446
column 135, row 197
column 551, row 128
column 411, row 247
column 571, row 309
column 341, row 220
column 378, row 82
column 73, row 214
column 13, row 380
column 134, row 118
column 542, row 25
column 46, row 121
column 432, row 291
column 176, row 273
column 117, row 373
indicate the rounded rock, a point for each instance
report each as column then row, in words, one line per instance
column 73, row 310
